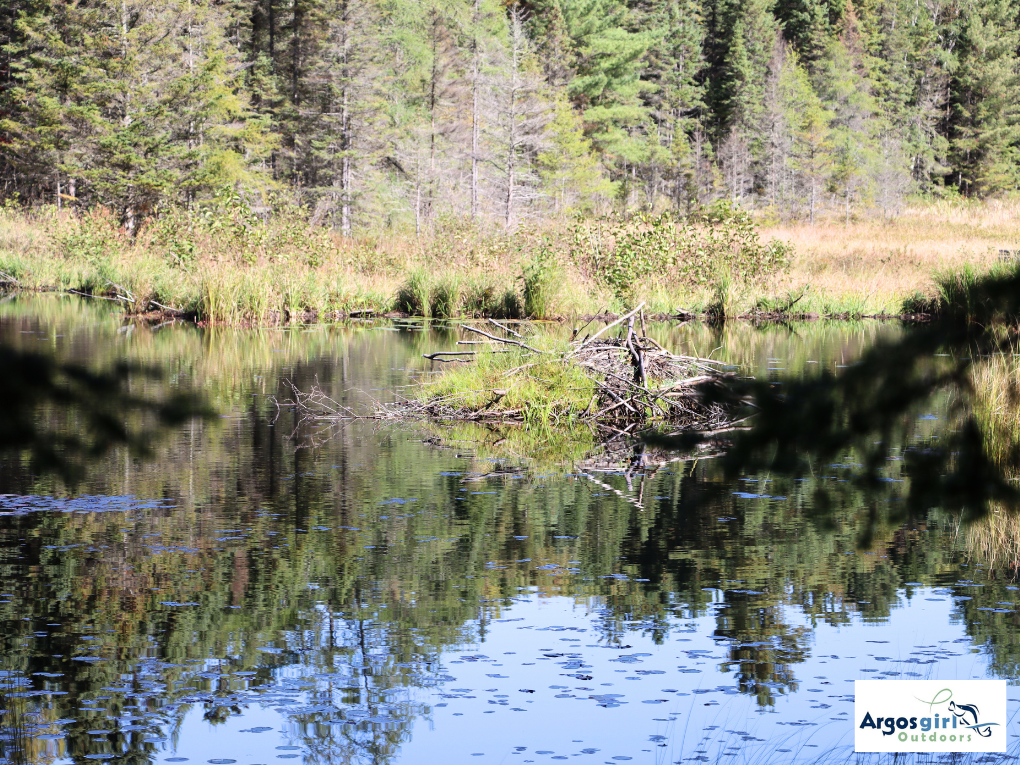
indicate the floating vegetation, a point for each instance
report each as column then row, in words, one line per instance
column 612, row 386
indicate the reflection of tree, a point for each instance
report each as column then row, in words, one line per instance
column 440, row 566
column 64, row 415
column 763, row 646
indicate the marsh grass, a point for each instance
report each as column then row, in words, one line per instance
column 994, row 539
column 544, row 392
column 414, row 296
column 224, row 264
column 995, row 385
column 445, row 298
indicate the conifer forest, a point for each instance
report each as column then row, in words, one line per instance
column 391, row 114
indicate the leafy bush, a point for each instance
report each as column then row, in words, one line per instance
column 689, row 251
column 93, row 237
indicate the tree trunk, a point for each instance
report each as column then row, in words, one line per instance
column 475, row 74
column 346, row 139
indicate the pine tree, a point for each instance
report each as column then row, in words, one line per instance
column 134, row 103
column 673, row 66
column 742, row 38
column 985, row 103
column 571, row 175
column 806, row 25
column 606, row 86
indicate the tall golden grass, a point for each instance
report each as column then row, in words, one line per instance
column 878, row 263
column 238, row 270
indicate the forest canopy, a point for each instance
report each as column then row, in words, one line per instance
column 390, row 113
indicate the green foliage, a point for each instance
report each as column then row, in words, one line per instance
column 969, row 296
column 509, row 305
column 552, row 393
column 414, row 296
column 720, row 242
column 445, row 297
column 93, row 238
column 135, row 117
column 541, row 277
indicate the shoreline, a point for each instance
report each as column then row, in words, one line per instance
column 276, row 318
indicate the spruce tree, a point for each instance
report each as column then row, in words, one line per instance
column 985, row 104
column 133, row 103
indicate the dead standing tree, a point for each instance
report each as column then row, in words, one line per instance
column 519, row 119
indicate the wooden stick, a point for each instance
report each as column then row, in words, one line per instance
column 608, row 326
column 506, row 329
column 616, row 398
column 438, row 357
column 501, row 339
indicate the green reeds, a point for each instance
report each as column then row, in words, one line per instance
column 445, row 297
column 414, row 295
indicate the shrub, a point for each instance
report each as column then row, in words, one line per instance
column 684, row 251
column 541, row 279
column 94, row 238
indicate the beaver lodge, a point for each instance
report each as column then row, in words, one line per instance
column 620, row 384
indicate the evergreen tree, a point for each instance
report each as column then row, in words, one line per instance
column 131, row 103
column 985, row 103
column 743, row 36
column 673, row 66
column 805, row 24
column 606, row 86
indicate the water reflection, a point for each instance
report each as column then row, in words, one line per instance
column 397, row 595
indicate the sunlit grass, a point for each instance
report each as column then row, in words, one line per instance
column 541, row 388
column 292, row 271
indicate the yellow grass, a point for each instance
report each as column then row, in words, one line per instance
column 879, row 263
column 868, row 267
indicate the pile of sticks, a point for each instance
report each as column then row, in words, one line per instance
column 637, row 382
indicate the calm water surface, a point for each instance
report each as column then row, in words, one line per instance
column 261, row 591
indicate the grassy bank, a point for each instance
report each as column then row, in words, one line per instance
column 225, row 264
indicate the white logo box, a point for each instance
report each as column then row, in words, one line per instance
column 930, row 716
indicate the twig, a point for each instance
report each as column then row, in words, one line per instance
column 122, row 289
column 434, row 356
column 501, row 339
column 616, row 398
column 608, row 326
column 448, row 361
column 506, row 329
column 98, row 297
column 166, row 307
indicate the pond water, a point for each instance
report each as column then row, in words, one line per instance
column 260, row 591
